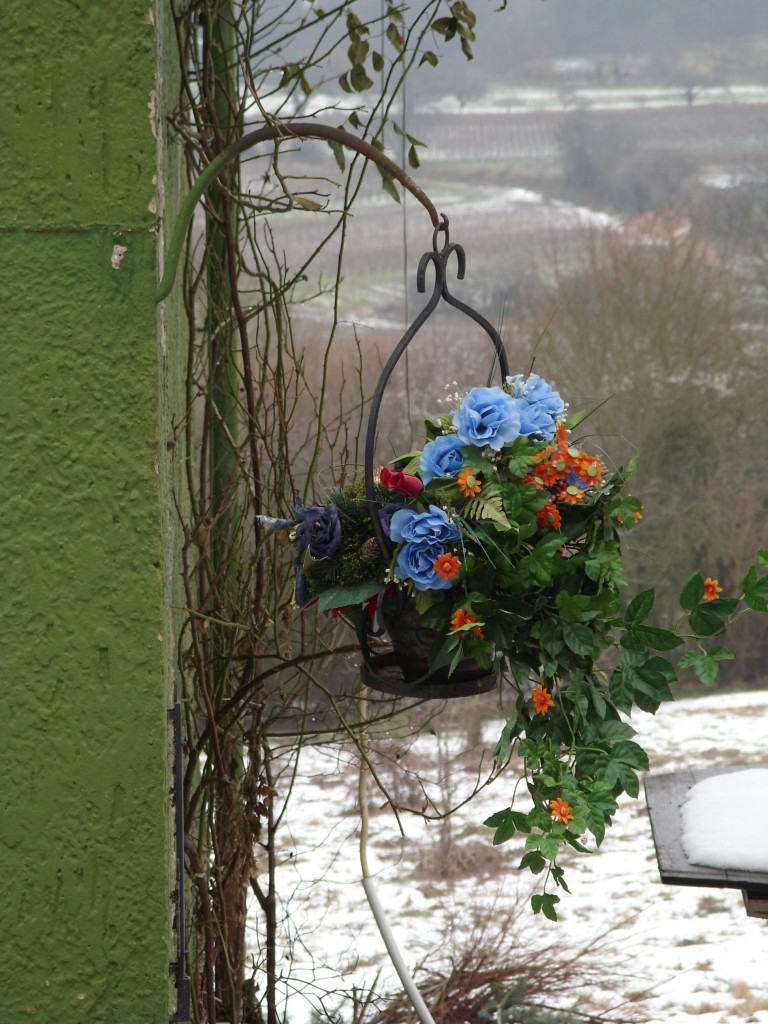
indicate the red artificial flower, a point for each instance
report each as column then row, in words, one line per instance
column 403, row 483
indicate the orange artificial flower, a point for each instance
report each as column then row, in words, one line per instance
column 542, row 700
column 468, row 483
column 559, row 463
column 447, row 566
column 561, row 810
column 549, row 516
column 711, row 589
column 637, row 516
column 570, row 495
column 461, row 618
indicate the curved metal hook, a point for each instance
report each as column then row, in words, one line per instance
column 440, row 290
column 280, row 132
column 440, row 260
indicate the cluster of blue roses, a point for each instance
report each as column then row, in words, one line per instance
column 424, row 537
column 492, row 417
column 487, row 419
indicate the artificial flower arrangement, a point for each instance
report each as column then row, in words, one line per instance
column 506, row 535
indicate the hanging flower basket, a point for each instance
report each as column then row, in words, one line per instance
column 493, row 551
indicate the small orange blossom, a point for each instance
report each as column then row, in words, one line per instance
column 468, row 483
column 447, row 566
column 461, row 618
column 542, row 700
column 549, row 515
column 711, row 589
column 561, row 810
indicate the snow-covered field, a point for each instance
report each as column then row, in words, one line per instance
column 672, row 955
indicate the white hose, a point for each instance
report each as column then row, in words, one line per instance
column 395, row 955
column 409, row 985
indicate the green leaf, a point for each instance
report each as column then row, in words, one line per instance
column 755, row 591
column 598, row 702
column 413, row 158
column 601, row 805
column 428, row 57
column 509, row 733
column 388, row 184
column 643, row 637
column 550, row 846
column 395, row 37
column 762, row 557
column 533, row 861
column 579, row 638
column 575, row 608
column 705, row 663
column 544, row 903
column 613, row 730
column 640, row 606
column 358, row 51
column 507, row 823
column 692, row 592
column 705, row 621
column 456, row 659
column 338, row 151
column 290, row 71
column 640, row 680
column 377, row 61
column 342, row 597
column 631, row 753
column 445, row 27
column 359, row 79
column 558, row 876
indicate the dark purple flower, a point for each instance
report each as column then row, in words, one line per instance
column 385, row 514
column 324, row 530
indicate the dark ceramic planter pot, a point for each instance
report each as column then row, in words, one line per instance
column 405, row 670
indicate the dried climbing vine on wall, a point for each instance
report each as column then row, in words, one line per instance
column 261, row 422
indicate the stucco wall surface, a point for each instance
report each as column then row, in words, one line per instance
column 84, row 846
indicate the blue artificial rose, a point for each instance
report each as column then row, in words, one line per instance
column 323, row 530
column 487, row 417
column 416, row 562
column 441, row 457
column 540, row 406
column 535, row 421
column 430, row 529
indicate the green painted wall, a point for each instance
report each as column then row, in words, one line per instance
column 90, row 387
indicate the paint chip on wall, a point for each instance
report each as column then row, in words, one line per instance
column 118, row 255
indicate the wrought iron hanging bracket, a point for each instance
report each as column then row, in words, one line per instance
column 379, row 670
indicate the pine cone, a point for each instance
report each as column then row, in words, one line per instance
column 370, row 550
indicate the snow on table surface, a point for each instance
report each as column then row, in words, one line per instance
column 725, row 821
column 685, row 954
